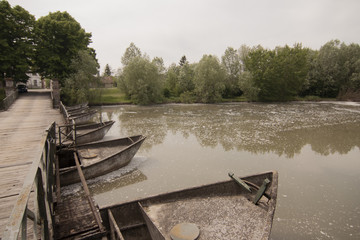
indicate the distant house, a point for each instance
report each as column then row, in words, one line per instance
column 34, row 81
column 107, row 81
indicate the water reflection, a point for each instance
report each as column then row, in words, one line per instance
column 283, row 129
column 314, row 146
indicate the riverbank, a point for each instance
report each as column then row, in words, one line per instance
column 113, row 96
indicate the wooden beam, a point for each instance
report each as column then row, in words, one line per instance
column 113, row 225
column 87, row 193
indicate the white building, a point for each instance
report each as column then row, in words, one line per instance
column 34, row 81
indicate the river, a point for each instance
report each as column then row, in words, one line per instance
column 315, row 147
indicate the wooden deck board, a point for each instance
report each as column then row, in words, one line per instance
column 73, row 217
column 21, row 131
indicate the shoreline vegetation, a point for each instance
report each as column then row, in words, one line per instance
column 114, row 96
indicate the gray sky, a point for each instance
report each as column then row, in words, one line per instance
column 173, row 28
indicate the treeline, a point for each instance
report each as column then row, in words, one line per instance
column 259, row 74
column 55, row 46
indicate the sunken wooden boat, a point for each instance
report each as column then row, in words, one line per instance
column 92, row 132
column 223, row 210
column 97, row 158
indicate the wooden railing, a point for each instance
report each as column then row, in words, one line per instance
column 67, row 135
column 38, row 186
column 8, row 101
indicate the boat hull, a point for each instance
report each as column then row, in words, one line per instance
column 83, row 118
column 221, row 210
column 100, row 158
column 76, row 107
column 92, row 132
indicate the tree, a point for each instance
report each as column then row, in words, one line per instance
column 77, row 85
column 140, row 80
column 325, row 71
column 130, row 53
column 209, row 79
column 59, row 40
column 334, row 70
column 247, row 85
column 107, row 71
column 171, row 81
column 159, row 62
column 183, row 61
column 16, row 41
column 185, row 78
column 278, row 74
column 351, row 65
column 232, row 64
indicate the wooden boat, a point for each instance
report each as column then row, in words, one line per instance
column 82, row 118
column 92, row 132
column 97, row 158
column 222, row 210
column 78, row 111
column 76, row 107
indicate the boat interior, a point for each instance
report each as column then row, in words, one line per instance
column 222, row 210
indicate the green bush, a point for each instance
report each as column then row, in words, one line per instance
column 187, row 97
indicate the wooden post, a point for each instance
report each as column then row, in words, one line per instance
column 55, row 88
column 41, row 204
column 24, row 227
column 57, row 173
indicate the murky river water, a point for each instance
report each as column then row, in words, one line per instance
column 315, row 147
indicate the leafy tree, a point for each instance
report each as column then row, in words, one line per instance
column 130, row 53
column 247, row 85
column 107, row 71
column 59, row 40
column 325, row 71
column 180, row 79
column 243, row 51
column 140, row 80
column 159, row 62
column 231, row 62
column 16, row 41
column 77, row 85
column 334, row 70
column 278, row 74
column 209, row 79
column 171, row 81
column 186, row 78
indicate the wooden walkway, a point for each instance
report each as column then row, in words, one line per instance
column 21, row 131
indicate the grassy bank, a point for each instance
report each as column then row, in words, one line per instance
column 107, row 96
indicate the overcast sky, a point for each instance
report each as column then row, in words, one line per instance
column 173, row 28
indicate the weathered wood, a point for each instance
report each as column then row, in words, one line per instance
column 114, row 227
column 57, row 175
column 74, row 217
column 220, row 210
column 21, row 131
column 87, row 193
column 99, row 158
